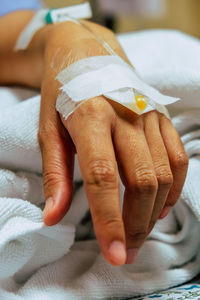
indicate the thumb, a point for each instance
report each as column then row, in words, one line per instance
column 58, row 166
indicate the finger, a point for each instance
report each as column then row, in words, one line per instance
column 57, row 159
column 137, row 173
column 160, row 161
column 90, row 129
column 177, row 157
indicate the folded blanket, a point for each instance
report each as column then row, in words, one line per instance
column 63, row 262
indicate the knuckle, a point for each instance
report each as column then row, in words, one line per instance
column 102, row 173
column 55, row 178
column 164, row 176
column 50, row 178
column 94, row 108
column 46, row 132
column 145, row 182
column 46, row 127
column 108, row 222
column 180, row 160
column 138, row 234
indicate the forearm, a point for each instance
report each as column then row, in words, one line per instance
column 21, row 67
column 52, row 48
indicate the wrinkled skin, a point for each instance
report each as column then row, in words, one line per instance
column 146, row 151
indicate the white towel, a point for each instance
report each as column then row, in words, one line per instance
column 35, row 261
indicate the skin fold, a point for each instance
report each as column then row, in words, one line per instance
column 145, row 150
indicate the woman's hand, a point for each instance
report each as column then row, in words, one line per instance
column 146, row 150
column 152, row 164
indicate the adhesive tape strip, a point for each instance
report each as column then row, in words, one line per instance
column 27, row 34
column 111, row 77
column 88, row 64
column 78, row 11
column 44, row 16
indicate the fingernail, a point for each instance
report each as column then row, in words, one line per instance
column 48, row 206
column 117, row 252
column 131, row 255
column 165, row 212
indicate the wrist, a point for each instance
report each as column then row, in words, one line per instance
column 69, row 42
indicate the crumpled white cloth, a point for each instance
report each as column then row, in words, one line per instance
column 39, row 262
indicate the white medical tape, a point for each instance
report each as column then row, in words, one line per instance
column 37, row 22
column 88, row 64
column 78, row 11
column 111, row 77
column 70, row 13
